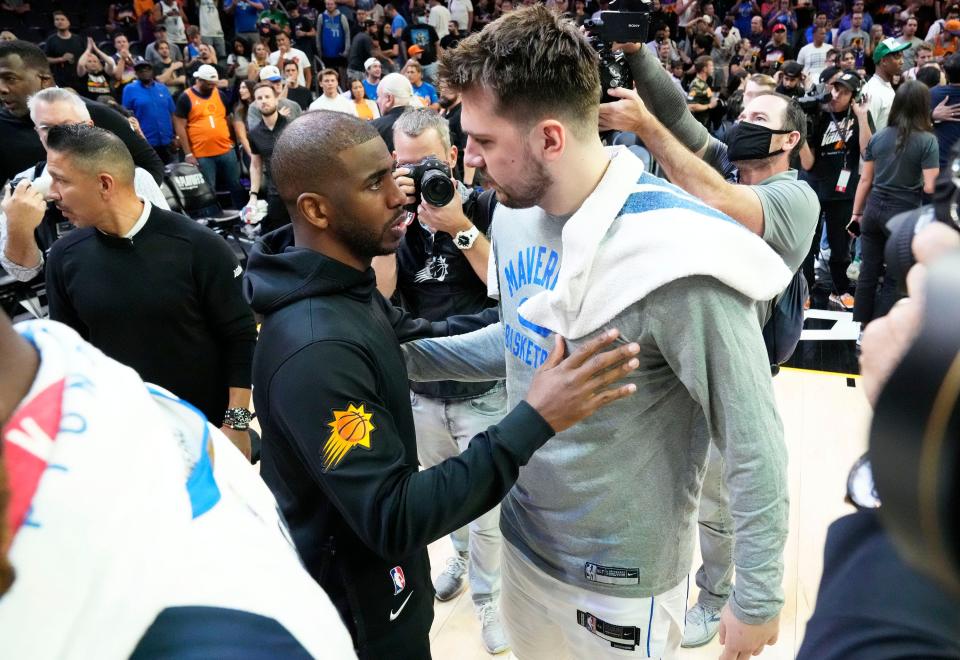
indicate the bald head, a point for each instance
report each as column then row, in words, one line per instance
column 93, row 150
column 306, row 157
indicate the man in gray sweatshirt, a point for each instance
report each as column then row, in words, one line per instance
column 599, row 527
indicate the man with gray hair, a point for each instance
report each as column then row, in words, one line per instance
column 28, row 225
column 150, row 288
column 394, row 97
column 438, row 271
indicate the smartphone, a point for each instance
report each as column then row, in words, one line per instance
column 854, row 227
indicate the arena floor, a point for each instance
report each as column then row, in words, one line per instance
column 826, row 418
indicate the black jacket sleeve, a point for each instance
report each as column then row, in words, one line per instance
column 218, row 279
column 58, row 302
column 409, row 328
column 143, row 154
column 394, row 508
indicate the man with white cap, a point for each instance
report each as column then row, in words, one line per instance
column 202, row 121
column 394, row 97
column 287, row 108
column 372, row 80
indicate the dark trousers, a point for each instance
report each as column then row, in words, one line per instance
column 869, row 303
column 836, row 213
column 168, row 152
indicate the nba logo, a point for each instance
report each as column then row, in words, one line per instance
column 399, row 582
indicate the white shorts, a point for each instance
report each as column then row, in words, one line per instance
column 551, row 620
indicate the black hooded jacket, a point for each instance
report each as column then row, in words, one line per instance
column 339, row 446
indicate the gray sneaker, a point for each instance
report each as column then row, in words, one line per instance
column 701, row 626
column 491, row 630
column 451, row 582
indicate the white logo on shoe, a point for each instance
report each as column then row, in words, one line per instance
column 394, row 615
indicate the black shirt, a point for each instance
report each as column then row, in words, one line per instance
column 94, row 85
column 457, row 137
column 22, row 148
column 773, row 56
column 835, row 142
column 361, row 49
column 301, row 95
column 384, row 125
column 65, row 73
column 450, row 41
column 436, row 281
column 307, row 44
column 262, row 141
column 340, row 449
column 423, row 35
column 873, row 606
column 166, row 302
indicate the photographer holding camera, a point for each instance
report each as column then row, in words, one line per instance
column 841, row 130
column 440, row 271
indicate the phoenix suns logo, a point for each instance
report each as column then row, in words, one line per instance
column 350, row 428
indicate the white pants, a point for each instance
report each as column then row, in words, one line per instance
column 550, row 620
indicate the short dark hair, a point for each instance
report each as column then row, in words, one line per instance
column 536, row 64
column 264, row 85
column 700, row 64
column 794, row 118
column 929, row 75
column 951, row 67
column 93, row 148
column 29, row 53
column 286, row 63
column 60, row 12
column 306, row 157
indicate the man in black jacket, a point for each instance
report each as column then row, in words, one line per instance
column 24, row 71
column 394, row 97
column 150, row 288
column 333, row 401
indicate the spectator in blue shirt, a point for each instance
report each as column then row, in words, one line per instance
column 397, row 22
column 424, row 91
column 153, row 107
column 245, row 14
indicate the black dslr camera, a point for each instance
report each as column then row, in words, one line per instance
column 433, row 181
column 627, row 22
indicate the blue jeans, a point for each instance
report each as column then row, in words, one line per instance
column 225, row 171
column 444, row 429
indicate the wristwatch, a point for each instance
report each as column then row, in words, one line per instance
column 466, row 238
column 237, row 419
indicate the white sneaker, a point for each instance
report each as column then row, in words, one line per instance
column 491, row 630
column 701, row 626
column 451, row 582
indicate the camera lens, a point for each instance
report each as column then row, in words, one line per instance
column 436, row 188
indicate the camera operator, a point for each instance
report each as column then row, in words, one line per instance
column 841, row 130
column 441, row 270
column 874, row 602
column 770, row 201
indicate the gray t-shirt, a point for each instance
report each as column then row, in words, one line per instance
column 790, row 212
column 152, row 56
column 901, row 172
column 846, row 39
column 610, row 505
column 254, row 117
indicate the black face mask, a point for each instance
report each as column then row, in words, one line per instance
column 751, row 141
